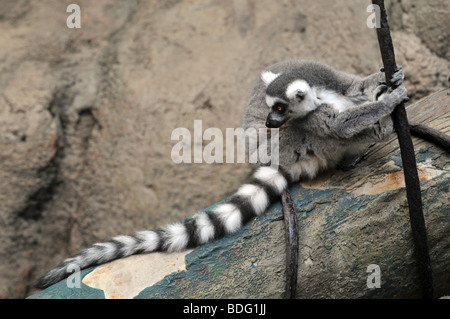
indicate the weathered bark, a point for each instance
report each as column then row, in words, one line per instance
column 347, row 220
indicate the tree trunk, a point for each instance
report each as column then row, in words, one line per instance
column 354, row 233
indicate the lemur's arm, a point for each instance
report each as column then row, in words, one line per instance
column 375, row 84
column 358, row 118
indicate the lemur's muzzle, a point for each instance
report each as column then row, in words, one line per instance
column 275, row 120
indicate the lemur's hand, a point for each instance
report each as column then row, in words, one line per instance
column 396, row 80
column 397, row 77
column 395, row 96
column 380, row 90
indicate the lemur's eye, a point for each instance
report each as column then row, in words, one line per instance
column 280, row 108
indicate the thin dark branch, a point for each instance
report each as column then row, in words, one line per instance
column 408, row 158
column 290, row 222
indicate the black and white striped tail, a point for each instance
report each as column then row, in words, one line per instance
column 252, row 199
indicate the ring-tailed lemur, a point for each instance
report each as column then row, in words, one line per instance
column 323, row 114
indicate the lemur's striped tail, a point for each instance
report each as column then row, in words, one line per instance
column 252, row 199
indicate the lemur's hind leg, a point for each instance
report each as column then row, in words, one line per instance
column 349, row 161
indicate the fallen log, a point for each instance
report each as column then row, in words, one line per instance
column 355, row 238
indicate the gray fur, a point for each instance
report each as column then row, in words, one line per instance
column 322, row 138
column 315, row 73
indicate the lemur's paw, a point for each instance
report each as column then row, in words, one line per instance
column 397, row 77
column 380, row 90
column 395, row 96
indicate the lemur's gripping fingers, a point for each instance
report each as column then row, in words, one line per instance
column 397, row 77
column 394, row 97
column 380, row 90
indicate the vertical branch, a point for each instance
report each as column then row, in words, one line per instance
column 290, row 221
column 408, row 158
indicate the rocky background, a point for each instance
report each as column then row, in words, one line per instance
column 86, row 115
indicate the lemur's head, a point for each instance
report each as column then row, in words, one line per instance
column 288, row 97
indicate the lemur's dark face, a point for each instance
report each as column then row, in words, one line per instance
column 287, row 98
column 279, row 114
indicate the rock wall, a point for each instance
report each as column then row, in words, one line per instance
column 86, row 114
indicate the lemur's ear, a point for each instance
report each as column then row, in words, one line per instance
column 267, row 77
